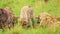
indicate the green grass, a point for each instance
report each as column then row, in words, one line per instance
column 52, row 7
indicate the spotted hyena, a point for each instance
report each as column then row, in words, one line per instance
column 11, row 19
column 3, row 18
column 26, row 15
column 45, row 17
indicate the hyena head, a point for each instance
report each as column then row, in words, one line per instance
column 23, row 21
column 3, row 15
column 38, row 19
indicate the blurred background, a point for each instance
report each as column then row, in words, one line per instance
column 50, row 6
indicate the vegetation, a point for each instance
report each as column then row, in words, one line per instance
column 52, row 7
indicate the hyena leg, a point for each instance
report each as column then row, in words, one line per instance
column 32, row 22
column 3, row 26
column 28, row 24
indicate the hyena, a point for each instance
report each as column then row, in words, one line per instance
column 7, row 18
column 26, row 15
column 11, row 17
column 3, row 18
column 45, row 17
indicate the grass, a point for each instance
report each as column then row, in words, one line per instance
column 52, row 7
